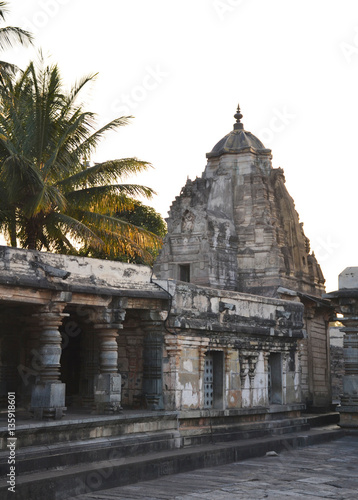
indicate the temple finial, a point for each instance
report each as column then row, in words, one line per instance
column 238, row 125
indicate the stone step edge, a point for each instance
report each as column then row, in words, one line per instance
column 69, row 446
column 119, row 472
column 247, row 426
column 95, row 443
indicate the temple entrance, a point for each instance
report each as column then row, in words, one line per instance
column 71, row 360
column 214, row 380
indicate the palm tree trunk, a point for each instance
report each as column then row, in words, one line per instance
column 31, row 232
column 12, row 230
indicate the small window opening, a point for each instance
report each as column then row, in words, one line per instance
column 184, row 272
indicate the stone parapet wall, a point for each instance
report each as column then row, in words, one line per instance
column 67, row 272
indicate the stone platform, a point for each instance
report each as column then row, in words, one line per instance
column 57, row 460
column 328, row 470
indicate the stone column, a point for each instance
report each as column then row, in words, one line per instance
column 245, row 382
column 153, row 361
column 345, row 301
column 253, row 358
column 349, row 398
column 266, row 356
column 107, row 384
column 172, row 394
column 48, row 394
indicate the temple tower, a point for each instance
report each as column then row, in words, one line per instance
column 236, row 227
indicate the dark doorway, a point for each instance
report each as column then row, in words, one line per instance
column 184, row 272
column 71, row 334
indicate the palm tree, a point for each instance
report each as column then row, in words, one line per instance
column 9, row 36
column 50, row 198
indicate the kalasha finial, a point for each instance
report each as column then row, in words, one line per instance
column 238, row 125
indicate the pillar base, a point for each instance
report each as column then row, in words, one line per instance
column 48, row 401
column 348, row 417
column 107, row 393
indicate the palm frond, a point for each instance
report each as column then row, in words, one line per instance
column 108, row 198
column 105, row 173
column 11, row 35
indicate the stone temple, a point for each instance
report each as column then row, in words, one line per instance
column 236, row 228
column 228, row 339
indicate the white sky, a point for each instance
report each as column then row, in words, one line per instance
column 185, row 64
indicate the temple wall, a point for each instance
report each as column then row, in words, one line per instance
column 237, row 334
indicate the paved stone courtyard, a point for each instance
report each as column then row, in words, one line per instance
column 329, row 470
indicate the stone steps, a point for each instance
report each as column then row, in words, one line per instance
column 318, row 420
column 67, row 482
column 235, row 431
column 37, row 458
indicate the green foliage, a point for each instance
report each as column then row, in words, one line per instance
column 10, row 35
column 50, row 198
column 144, row 216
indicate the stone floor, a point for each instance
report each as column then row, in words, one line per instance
column 323, row 471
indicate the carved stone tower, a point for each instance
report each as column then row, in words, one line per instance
column 236, row 227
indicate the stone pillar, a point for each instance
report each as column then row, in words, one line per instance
column 349, row 398
column 172, row 395
column 345, row 301
column 107, row 384
column 253, row 358
column 245, row 382
column 266, row 356
column 153, row 361
column 48, row 394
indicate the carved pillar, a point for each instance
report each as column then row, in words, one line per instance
column 349, row 398
column 245, row 383
column 345, row 301
column 202, row 351
column 153, row 361
column 173, row 348
column 284, row 376
column 107, row 384
column 48, row 395
column 252, row 373
column 266, row 356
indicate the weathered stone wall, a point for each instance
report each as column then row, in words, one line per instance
column 67, row 272
column 245, row 329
